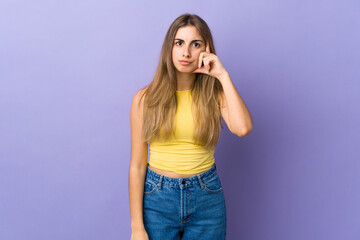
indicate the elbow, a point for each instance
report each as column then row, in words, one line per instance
column 247, row 132
column 243, row 132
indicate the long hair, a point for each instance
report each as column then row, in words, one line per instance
column 160, row 95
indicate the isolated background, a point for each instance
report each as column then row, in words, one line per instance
column 69, row 70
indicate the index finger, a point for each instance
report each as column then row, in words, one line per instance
column 207, row 47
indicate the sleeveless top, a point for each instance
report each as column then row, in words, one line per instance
column 179, row 153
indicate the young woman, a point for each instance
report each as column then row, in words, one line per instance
column 178, row 194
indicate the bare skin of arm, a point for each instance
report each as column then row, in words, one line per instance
column 137, row 170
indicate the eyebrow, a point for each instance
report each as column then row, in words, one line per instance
column 196, row 40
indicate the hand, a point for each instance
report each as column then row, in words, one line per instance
column 212, row 65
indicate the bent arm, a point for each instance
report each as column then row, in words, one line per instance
column 234, row 111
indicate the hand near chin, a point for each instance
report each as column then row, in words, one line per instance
column 212, row 65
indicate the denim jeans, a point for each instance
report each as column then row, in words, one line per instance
column 184, row 208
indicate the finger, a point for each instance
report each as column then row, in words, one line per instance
column 207, row 64
column 200, row 60
column 203, row 56
column 208, row 47
column 210, row 59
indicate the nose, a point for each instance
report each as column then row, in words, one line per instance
column 186, row 52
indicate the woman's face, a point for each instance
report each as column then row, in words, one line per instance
column 187, row 46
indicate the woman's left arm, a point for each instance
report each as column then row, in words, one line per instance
column 233, row 108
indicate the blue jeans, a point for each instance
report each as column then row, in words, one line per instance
column 184, row 208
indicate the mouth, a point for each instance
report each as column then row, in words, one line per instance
column 184, row 63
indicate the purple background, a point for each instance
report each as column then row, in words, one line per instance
column 69, row 70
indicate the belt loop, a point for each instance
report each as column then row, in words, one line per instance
column 160, row 181
column 200, row 180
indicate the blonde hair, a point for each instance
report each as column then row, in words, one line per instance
column 160, row 95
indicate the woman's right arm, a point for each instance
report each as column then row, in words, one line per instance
column 137, row 169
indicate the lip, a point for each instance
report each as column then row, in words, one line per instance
column 184, row 62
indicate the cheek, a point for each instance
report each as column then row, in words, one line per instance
column 197, row 53
column 175, row 55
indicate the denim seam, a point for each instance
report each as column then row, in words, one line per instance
column 190, row 214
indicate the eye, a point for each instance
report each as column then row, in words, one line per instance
column 176, row 43
column 197, row 44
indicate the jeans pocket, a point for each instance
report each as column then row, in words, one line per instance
column 149, row 187
column 213, row 185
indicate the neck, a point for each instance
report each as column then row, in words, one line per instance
column 185, row 80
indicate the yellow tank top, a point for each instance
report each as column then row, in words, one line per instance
column 179, row 153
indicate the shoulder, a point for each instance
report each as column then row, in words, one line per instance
column 138, row 96
column 138, row 101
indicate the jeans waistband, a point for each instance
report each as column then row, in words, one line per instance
column 197, row 179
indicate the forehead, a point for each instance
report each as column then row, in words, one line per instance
column 188, row 33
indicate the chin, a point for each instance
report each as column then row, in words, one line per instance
column 185, row 70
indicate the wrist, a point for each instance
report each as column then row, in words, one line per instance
column 137, row 227
column 222, row 75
